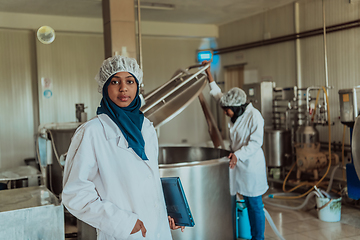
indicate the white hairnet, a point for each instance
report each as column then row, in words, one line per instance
column 233, row 98
column 116, row 64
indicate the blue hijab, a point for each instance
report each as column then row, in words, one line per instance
column 129, row 119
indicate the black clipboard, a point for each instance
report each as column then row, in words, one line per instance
column 176, row 203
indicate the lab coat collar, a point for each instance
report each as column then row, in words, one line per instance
column 110, row 128
column 113, row 131
column 249, row 107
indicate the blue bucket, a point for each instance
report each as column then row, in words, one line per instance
column 242, row 221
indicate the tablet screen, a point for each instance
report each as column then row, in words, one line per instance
column 176, row 203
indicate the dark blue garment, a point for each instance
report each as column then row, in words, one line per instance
column 238, row 111
column 256, row 216
column 129, row 119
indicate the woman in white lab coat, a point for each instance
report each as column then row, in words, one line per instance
column 247, row 158
column 111, row 177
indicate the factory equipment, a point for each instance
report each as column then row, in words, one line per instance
column 277, row 147
column 31, row 213
column 294, row 132
column 204, row 173
column 284, row 107
column 167, row 101
column 309, row 158
column 53, row 142
column 261, row 97
column 355, row 146
column 80, row 113
column 349, row 105
column 349, row 115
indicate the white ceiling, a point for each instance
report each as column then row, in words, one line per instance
column 186, row 11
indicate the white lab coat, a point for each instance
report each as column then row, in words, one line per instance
column 109, row 187
column 246, row 137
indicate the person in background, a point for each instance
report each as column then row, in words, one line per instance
column 247, row 161
column 111, row 177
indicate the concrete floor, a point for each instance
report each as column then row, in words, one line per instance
column 305, row 224
column 301, row 224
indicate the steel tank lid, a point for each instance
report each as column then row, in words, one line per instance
column 355, row 147
column 167, row 101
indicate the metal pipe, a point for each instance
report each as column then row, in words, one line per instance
column 325, row 51
column 291, row 37
column 141, row 87
column 297, row 43
column 287, row 119
column 307, row 97
column 139, row 34
column 298, row 57
column 325, row 54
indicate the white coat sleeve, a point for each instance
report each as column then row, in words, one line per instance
column 255, row 140
column 215, row 91
column 79, row 194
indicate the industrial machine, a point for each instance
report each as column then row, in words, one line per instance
column 349, row 115
column 261, row 97
column 204, row 173
column 290, row 134
column 309, row 158
column 349, row 105
column 277, row 147
column 53, row 142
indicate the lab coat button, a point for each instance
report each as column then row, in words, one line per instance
column 158, row 235
column 149, row 177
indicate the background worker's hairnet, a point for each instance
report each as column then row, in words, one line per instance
column 116, row 64
column 233, row 98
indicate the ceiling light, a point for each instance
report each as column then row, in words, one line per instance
column 156, row 6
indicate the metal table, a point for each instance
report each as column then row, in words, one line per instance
column 31, row 213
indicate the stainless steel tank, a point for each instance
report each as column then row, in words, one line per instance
column 204, row 173
column 277, row 147
column 59, row 136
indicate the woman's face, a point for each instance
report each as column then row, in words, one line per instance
column 122, row 89
column 228, row 112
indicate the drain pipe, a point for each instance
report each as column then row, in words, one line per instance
column 298, row 60
column 140, row 44
column 325, row 59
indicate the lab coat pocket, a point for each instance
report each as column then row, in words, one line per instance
column 137, row 235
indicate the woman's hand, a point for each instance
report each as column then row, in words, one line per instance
column 233, row 160
column 207, row 71
column 139, row 225
column 173, row 226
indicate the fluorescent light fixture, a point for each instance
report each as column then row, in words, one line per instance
column 156, row 6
